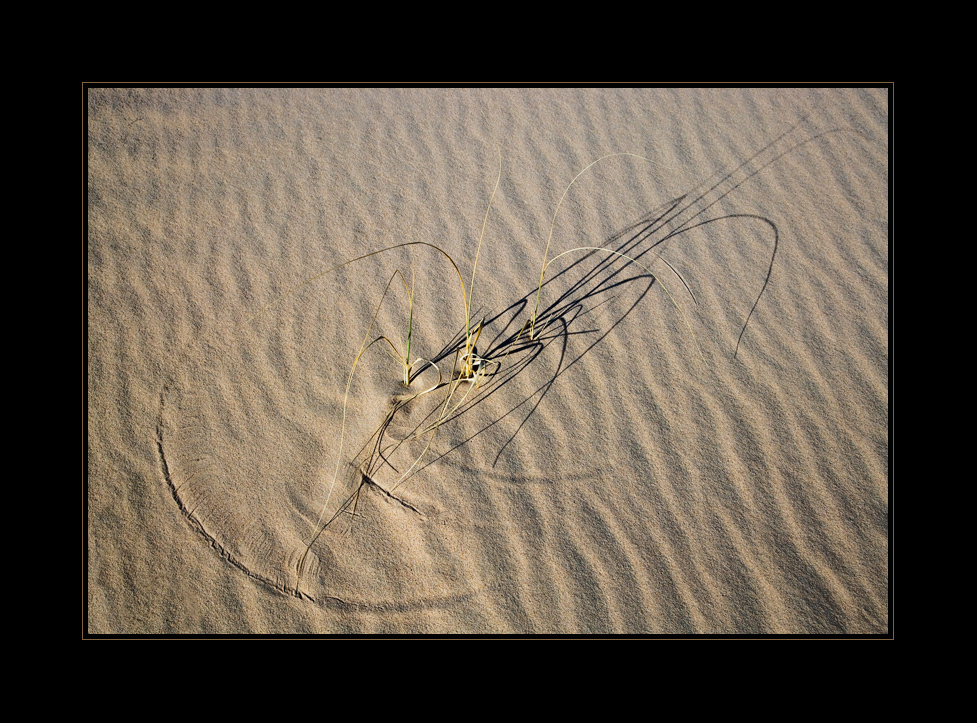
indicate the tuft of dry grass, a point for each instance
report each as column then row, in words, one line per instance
column 468, row 370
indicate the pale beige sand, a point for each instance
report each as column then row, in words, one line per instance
column 608, row 480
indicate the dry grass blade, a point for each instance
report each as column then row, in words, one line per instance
column 650, row 273
column 542, row 274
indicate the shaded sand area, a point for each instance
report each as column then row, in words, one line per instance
column 694, row 437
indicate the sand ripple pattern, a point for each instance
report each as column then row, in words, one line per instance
column 609, row 480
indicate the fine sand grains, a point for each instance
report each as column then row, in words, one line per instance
column 688, row 435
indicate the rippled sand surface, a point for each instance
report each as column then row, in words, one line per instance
column 695, row 440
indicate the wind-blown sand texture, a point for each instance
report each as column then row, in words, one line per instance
column 644, row 466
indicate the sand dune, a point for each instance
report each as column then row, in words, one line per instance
column 695, row 442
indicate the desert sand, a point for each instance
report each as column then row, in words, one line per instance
column 694, row 440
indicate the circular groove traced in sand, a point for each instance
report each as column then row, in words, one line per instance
column 249, row 438
column 251, row 432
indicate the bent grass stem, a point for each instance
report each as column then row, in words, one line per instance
column 532, row 320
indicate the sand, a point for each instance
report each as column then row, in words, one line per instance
column 696, row 442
